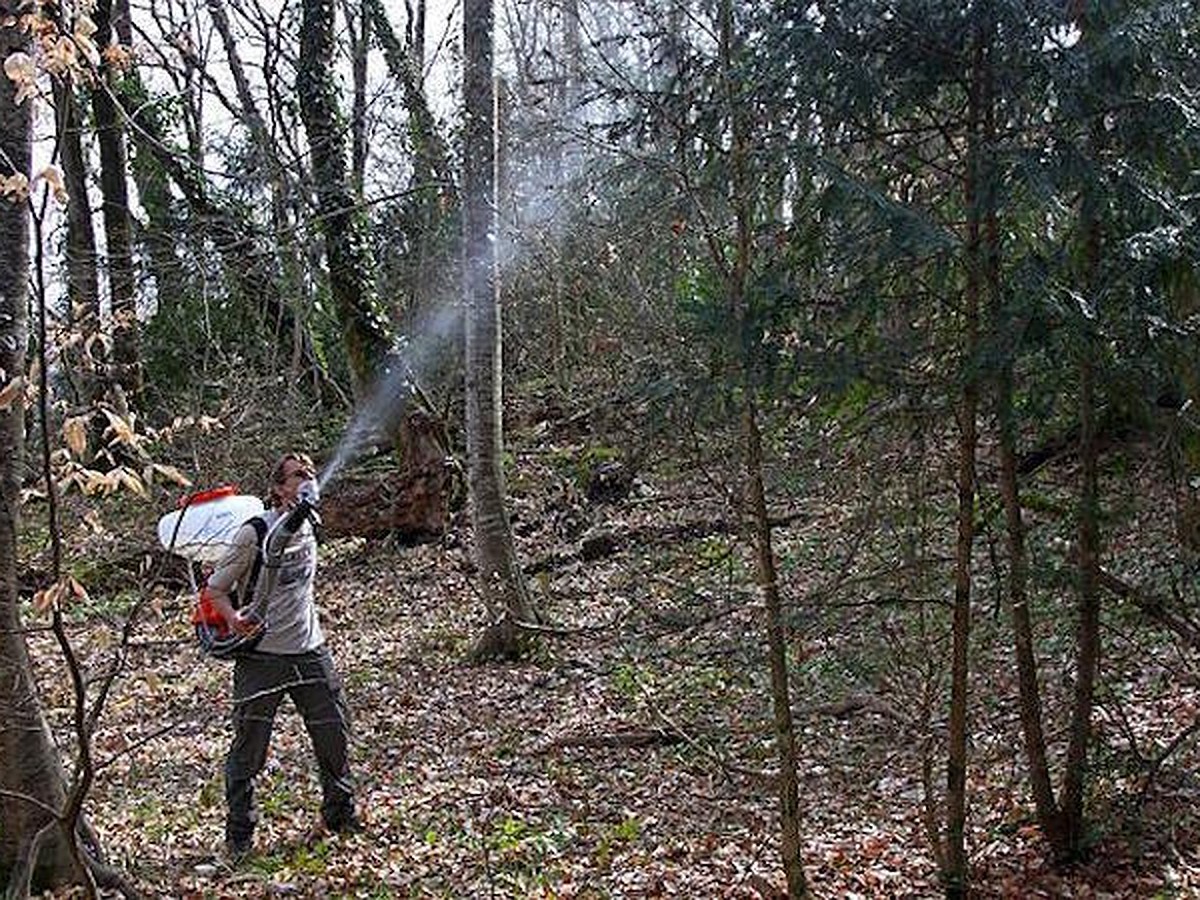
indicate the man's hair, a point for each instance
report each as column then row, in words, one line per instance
column 279, row 470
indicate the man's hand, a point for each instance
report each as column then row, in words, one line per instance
column 244, row 624
column 240, row 622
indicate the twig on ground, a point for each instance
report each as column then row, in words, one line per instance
column 631, row 738
column 1156, row 764
column 716, row 756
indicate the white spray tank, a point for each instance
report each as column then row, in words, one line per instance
column 204, row 526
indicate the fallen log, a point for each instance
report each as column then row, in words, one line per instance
column 1174, row 615
column 603, row 542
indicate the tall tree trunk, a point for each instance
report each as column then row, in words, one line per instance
column 957, row 872
column 83, row 286
column 1049, row 816
column 777, row 641
column 573, row 50
column 287, row 321
column 502, row 583
column 1087, row 641
column 31, row 778
column 82, row 281
column 122, row 22
column 118, row 225
column 358, row 22
column 755, row 494
column 435, row 198
column 343, row 224
column 563, row 171
column 1030, row 702
column 417, row 45
column 431, row 160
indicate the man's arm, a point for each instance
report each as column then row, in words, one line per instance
column 233, row 569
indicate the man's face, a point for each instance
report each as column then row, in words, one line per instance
column 295, row 473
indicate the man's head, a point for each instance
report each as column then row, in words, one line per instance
column 292, row 470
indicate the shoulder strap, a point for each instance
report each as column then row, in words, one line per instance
column 260, row 531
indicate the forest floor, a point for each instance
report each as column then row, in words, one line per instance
column 631, row 755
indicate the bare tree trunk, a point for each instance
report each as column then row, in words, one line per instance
column 573, row 50
column 417, row 45
column 1087, row 641
column 82, row 281
column 1030, row 702
column 118, row 227
column 564, row 172
column 32, row 787
column 83, row 286
column 288, row 321
column 760, row 525
column 435, row 198
column 343, row 224
column 1027, row 667
column 358, row 21
column 956, row 776
column 768, row 585
column 505, row 592
column 122, row 22
column 431, row 160
column 957, row 872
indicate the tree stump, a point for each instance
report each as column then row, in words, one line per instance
column 412, row 505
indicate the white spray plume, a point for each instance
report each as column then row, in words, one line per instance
column 543, row 193
column 387, row 401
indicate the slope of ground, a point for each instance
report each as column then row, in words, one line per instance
column 632, row 755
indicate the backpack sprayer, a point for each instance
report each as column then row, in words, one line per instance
column 203, row 530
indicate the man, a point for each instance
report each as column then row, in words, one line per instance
column 290, row 658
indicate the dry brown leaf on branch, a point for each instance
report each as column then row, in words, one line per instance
column 10, row 392
column 66, row 589
column 169, row 472
column 52, row 176
column 158, row 601
column 92, row 482
column 128, row 478
column 75, row 433
column 121, row 431
column 45, row 598
column 78, row 591
column 14, row 188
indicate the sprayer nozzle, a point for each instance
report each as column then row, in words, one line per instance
column 309, row 493
column 307, row 498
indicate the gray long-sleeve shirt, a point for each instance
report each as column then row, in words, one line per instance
column 291, row 613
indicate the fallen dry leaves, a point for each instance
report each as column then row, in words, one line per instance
column 478, row 781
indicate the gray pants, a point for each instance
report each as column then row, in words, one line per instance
column 259, row 682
